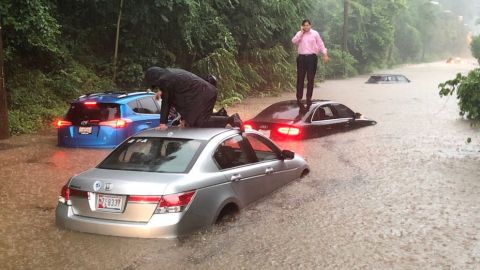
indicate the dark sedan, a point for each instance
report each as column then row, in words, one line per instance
column 285, row 120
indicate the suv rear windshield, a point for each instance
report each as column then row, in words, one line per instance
column 79, row 112
column 168, row 155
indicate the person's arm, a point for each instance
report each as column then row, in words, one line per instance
column 296, row 39
column 321, row 48
column 165, row 110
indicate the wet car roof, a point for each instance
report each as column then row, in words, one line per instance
column 114, row 97
column 187, row 133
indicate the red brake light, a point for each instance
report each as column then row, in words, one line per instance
column 290, row 131
column 64, row 195
column 62, row 123
column 247, row 126
column 90, row 103
column 144, row 199
column 118, row 123
column 78, row 193
column 179, row 199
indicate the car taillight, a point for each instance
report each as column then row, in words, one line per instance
column 62, row 123
column 65, row 195
column 290, row 131
column 90, row 103
column 247, row 126
column 172, row 203
column 117, row 123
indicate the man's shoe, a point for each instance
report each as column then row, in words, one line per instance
column 237, row 122
column 221, row 112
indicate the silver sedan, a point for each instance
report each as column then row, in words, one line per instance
column 163, row 184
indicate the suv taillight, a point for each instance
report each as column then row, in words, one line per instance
column 62, row 123
column 173, row 203
column 117, row 123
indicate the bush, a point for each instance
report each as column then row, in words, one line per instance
column 340, row 65
column 468, row 93
column 475, row 47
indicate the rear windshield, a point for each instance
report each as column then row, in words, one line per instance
column 375, row 79
column 167, row 155
column 79, row 112
column 280, row 112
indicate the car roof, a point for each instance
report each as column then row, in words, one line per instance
column 294, row 102
column 188, row 133
column 119, row 97
column 386, row 75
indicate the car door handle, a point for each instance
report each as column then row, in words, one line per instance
column 329, row 127
column 236, row 177
column 269, row 170
column 148, row 123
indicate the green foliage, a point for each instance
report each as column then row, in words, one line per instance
column 341, row 65
column 475, row 47
column 57, row 50
column 468, row 93
column 231, row 82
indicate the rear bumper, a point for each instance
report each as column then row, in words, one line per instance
column 159, row 226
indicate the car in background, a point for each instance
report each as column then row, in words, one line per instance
column 167, row 183
column 387, row 78
column 103, row 120
column 286, row 120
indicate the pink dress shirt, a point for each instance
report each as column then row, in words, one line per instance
column 309, row 42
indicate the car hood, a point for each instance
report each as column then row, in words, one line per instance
column 123, row 182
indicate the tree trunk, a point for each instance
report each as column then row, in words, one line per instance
column 116, row 43
column 4, row 131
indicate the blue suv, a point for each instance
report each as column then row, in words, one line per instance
column 104, row 120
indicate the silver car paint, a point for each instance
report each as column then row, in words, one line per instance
column 214, row 189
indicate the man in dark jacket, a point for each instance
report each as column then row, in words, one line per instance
column 192, row 97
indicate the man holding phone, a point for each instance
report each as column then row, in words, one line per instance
column 309, row 44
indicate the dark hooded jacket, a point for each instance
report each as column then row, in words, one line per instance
column 192, row 96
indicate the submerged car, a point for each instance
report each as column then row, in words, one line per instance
column 286, row 120
column 388, row 78
column 103, row 120
column 167, row 183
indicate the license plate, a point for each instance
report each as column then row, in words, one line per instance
column 109, row 202
column 85, row 130
column 265, row 132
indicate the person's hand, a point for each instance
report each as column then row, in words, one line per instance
column 161, row 127
column 158, row 95
column 301, row 29
column 325, row 58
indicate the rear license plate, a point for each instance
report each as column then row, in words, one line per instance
column 109, row 202
column 85, row 130
column 265, row 132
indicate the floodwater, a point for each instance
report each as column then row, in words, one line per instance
column 404, row 194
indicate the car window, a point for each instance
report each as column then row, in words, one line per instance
column 264, row 150
column 401, row 78
column 148, row 105
column 343, row 111
column 153, row 155
column 322, row 113
column 135, row 106
column 232, row 152
column 79, row 112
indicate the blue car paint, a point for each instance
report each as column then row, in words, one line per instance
column 106, row 136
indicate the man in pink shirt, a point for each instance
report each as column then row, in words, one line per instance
column 309, row 44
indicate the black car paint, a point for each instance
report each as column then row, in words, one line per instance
column 309, row 128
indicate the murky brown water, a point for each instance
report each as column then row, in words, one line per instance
column 404, row 194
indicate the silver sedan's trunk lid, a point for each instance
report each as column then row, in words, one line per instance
column 108, row 194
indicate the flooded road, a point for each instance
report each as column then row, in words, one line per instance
column 404, row 194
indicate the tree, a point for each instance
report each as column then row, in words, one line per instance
column 4, row 130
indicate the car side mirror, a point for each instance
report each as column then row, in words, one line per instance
column 287, row 154
column 357, row 115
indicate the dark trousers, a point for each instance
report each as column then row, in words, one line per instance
column 306, row 64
